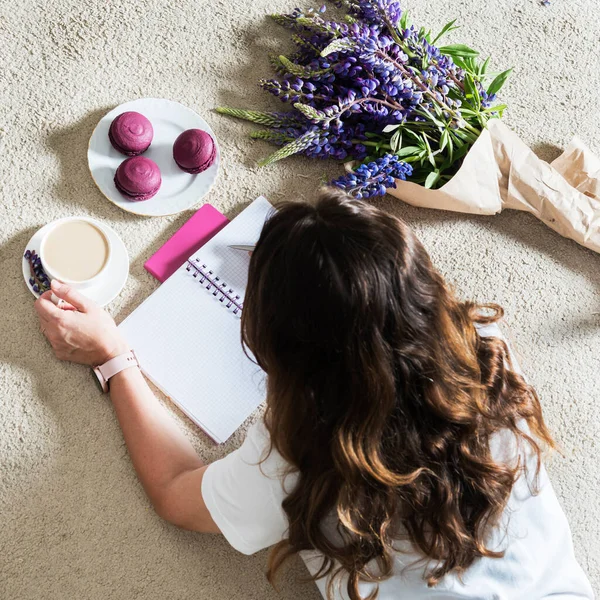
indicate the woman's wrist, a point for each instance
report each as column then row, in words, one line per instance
column 110, row 351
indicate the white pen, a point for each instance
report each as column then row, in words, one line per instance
column 244, row 248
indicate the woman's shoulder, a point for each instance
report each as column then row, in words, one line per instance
column 257, row 443
column 244, row 490
column 258, row 451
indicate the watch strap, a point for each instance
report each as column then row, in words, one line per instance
column 115, row 365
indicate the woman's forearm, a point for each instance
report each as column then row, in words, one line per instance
column 165, row 461
column 159, row 450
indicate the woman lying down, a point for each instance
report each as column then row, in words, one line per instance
column 400, row 452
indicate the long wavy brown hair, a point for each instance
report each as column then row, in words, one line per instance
column 381, row 394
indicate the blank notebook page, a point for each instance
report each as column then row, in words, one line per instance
column 188, row 342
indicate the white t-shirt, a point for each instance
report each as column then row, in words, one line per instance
column 243, row 494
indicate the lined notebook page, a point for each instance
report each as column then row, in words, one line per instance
column 188, row 342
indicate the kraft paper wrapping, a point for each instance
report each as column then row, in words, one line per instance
column 500, row 171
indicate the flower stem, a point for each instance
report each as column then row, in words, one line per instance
column 426, row 90
column 373, row 144
column 459, row 84
column 391, row 105
column 472, row 129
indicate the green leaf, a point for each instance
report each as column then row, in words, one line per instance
column 497, row 84
column 390, row 128
column 396, row 141
column 448, row 27
column 461, row 150
column 471, row 92
column 415, row 136
column 425, row 113
column 432, row 179
column 471, row 64
column 450, row 150
column 430, row 154
column 458, row 142
column 484, row 66
column 459, row 62
column 495, row 112
column 404, row 20
column 445, row 166
column 438, row 111
column 497, row 108
column 407, row 151
column 462, row 135
column 458, row 50
column 444, row 140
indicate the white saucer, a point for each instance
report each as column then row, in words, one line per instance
column 179, row 190
column 110, row 282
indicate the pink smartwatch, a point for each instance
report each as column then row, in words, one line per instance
column 113, row 366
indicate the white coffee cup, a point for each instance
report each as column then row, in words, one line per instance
column 75, row 251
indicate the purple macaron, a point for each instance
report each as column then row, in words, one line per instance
column 194, row 151
column 131, row 133
column 138, row 178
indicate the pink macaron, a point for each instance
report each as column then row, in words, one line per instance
column 131, row 133
column 138, row 178
column 194, row 151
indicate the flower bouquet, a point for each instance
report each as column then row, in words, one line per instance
column 411, row 117
column 372, row 88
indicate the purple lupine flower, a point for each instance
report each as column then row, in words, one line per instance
column 486, row 99
column 374, row 178
column 378, row 11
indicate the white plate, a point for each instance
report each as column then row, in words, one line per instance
column 110, row 282
column 179, row 190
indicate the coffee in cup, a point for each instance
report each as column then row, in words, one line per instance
column 75, row 251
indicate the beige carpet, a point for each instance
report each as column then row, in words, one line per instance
column 74, row 522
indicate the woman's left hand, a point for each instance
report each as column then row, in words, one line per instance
column 81, row 331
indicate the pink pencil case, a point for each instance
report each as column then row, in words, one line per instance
column 188, row 239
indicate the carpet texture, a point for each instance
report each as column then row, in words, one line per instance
column 74, row 520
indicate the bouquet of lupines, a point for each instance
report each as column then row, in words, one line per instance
column 372, row 90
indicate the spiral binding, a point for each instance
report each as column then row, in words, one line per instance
column 219, row 289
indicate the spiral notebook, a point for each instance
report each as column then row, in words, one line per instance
column 187, row 333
